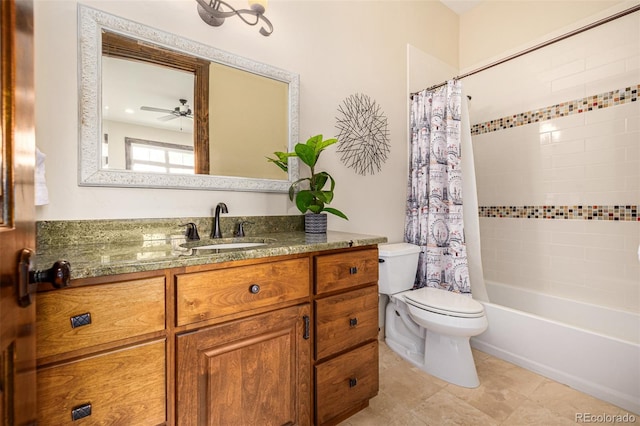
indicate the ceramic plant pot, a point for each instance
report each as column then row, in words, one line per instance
column 315, row 223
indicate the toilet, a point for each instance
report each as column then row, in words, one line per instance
column 428, row 327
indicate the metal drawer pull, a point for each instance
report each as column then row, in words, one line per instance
column 81, row 411
column 353, row 270
column 307, row 327
column 254, row 288
column 353, row 382
column 81, row 320
column 353, row 322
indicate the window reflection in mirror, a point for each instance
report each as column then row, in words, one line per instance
column 160, row 157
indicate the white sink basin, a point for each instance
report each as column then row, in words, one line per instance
column 228, row 246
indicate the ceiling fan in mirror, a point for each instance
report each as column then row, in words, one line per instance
column 182, row 110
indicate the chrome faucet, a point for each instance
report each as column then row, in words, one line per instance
column 220, row 208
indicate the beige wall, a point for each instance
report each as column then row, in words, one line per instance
column 495, row 29
column 338, row 48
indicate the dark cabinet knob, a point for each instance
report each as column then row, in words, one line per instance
column 353, row 322
column 353, row 382
column 254, row 289
column 59, row 275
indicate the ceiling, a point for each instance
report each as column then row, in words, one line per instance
column 460, row 6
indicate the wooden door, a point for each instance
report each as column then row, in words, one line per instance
column 17, row 212
column 253, row 371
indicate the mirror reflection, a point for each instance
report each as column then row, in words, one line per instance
column 142, row 102
column 157, row 96
column 175, row 113
column 247, row 118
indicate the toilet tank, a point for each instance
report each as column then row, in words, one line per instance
column 397, row 267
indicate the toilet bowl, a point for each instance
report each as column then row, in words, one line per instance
column 428, row 327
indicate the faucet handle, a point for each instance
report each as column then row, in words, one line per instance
column 240, row 228
column 192, row 231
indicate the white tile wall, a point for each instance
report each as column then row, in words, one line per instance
column 599, row 60
column 594, row 262
column 591, row 158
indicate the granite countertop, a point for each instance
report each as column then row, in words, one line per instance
column 171, row 251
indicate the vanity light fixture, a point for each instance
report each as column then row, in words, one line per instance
column 214, row 12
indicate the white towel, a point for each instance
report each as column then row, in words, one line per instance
column 42, row 193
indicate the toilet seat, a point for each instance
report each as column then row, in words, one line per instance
column 443, row 302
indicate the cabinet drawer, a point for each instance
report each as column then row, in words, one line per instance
column 214, row 294
column 346, row 320
column 346, row 381
column 345, row 270
column 121, row 387
column 77, row 318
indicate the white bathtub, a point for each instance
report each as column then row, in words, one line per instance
column 593, row 349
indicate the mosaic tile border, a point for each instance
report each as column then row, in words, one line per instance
column 577, row 106
column 627, row 213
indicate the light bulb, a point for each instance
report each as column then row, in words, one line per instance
column 258, row 5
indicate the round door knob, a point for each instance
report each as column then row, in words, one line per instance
column 254, row 288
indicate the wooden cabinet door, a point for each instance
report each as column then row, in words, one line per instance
column 253, row 371
column 17, row 212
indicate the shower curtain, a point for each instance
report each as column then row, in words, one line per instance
column 434, row 217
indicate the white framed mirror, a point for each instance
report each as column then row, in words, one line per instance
column 188, row 120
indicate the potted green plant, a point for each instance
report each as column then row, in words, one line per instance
column 312, row 194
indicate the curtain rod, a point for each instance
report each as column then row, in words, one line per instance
column 543, row 44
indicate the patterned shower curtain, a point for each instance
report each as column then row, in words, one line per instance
column 434, row 197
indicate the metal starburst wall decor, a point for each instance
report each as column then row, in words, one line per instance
column 363, row 138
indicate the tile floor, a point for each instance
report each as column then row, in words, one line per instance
column 508, row 395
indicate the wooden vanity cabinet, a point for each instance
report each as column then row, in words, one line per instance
column 255, row 368
column 102, row 354
column 346, row 331
column 288, row 340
